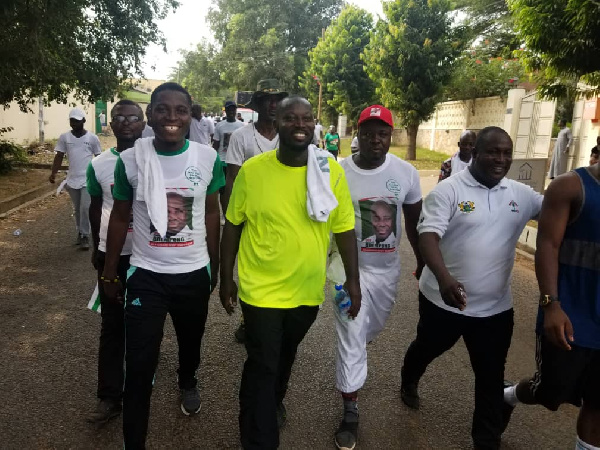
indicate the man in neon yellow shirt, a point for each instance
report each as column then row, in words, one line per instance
column 281, row 266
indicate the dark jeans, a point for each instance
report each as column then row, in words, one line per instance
column 150, row 296
column 487, row 339
column 112, row 337
column 272, row 339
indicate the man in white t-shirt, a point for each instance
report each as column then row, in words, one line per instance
column 318, row 137
column 170, row 273
column 462, row 158
column 148, row 131
column 127, row 123
column 256, row 138
column 80, row 146
column 382, row 187
column 468, row 232
column 202, row 128
column 223, row 132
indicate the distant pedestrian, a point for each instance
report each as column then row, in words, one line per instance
column 102, row 119
column 560, row 155
column 127, row 123
column 202, row 128
column 80, row 146
column 567, row 263
column 332, row 142
column 282, row 272
column 354, row 145
column 172, row 185
column 462, row 158
column 318, row 139
column 383, row 189
column 468, row 232
column 595, row 154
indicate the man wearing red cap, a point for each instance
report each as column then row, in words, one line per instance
column 382, row 186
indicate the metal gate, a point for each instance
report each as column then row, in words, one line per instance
column 534, row 132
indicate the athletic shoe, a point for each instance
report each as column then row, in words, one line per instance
column 105, row 410
column 347, row 434
column 240, row 334
column 190, row 401
column 78, row 240
column 410, row 396
column 507, row 409
column 281, row 415
column 85, row 243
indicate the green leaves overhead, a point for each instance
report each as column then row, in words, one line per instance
column 53, row 47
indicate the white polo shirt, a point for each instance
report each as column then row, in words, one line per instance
column 479, row 228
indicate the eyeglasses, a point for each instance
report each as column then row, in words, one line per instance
column 130, row 119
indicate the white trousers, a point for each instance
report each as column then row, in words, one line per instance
column 378, row 297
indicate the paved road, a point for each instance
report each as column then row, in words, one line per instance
column 48, row 343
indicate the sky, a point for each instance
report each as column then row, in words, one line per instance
column 187, row 27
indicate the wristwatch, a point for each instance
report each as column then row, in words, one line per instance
column 545, row 300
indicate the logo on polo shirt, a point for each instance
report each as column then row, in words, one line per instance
column 466, row 207
column 514, row 206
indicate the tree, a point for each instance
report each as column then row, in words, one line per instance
column 479, row 74
column 563, row 41
column 51, row 48
column 199, row 72
column 336, row 62
column 410, row 59
column 268, row 39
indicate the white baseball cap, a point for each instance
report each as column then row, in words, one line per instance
column 76, row 114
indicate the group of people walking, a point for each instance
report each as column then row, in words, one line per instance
column 155, row 226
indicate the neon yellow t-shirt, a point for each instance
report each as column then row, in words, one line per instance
column 282, row 255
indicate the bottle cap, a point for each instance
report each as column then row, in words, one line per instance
column 339, row 287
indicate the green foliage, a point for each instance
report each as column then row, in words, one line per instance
column 336, row 62
column 9, row 154
column 478, row 74
column 563, row 42
column 51, row 48
column 410, row 58
column 200, row 72
column 268, row 39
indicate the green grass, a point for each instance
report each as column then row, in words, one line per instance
column 426, row 159
column 136, row 96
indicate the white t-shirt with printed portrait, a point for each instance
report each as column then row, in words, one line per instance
column 79, row 151
column 377, row 196
column 223, row 132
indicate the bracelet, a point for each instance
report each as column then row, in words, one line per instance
column 108, row 280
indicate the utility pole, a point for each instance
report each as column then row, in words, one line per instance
column 320, row 99
column 41, row 118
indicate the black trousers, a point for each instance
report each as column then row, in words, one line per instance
column 487, row 340
column 112, row 337
column 272, row 339
column 150, row 296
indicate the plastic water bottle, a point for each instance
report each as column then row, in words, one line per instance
column 343, row 302
column 17, row 232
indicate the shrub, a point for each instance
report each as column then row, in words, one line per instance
column 9, row 154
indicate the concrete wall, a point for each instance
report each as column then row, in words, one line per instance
column 56, row 121
column 443, row 130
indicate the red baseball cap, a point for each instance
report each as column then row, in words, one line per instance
column 376, row 112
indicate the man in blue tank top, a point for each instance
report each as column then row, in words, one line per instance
column 568, row 326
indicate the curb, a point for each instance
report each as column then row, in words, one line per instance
column 39, row 166
column 27, row 198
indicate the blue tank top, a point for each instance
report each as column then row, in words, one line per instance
column 579, row 267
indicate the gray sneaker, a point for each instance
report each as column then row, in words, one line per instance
column 106, row 409
column 346, row 435
column 78, row 240
column 85, row 243
column 190, row 401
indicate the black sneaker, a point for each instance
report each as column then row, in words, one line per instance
column 105, row 410
column 85, row 243
column 78, row 240
column 190, row 401
column 507, row 409
column 410, row 396
column 281, row 415
column 240, row 334
column 346, row 435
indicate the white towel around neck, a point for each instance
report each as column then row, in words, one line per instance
column 320, row 200
column 151, row 183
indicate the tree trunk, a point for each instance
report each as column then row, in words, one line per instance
column 411, row 152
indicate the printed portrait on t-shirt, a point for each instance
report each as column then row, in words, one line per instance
column 179, row 222
column 226, row 137
column 379, row 224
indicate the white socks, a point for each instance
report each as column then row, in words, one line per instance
column 580, row 445
column 510, row 395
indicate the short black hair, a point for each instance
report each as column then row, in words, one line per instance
column 595, row 151
column 170, row 86
column 129, row 103
column 484, row 136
